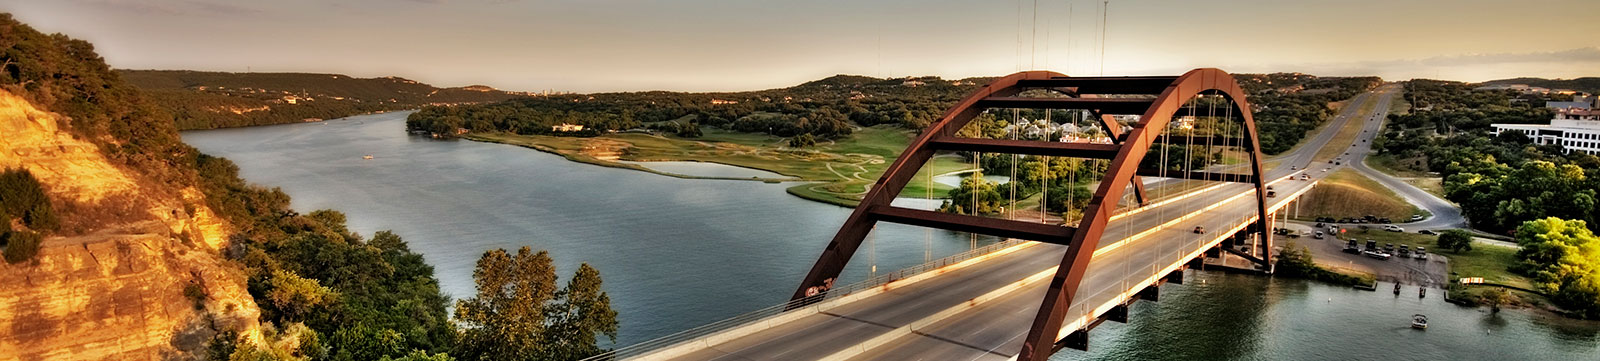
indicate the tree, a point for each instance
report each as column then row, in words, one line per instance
column 974, row 189
column 1495, row 298
column 506, row 320
column 802, row 141
column 295, row 297
column 1563, row 257
column 585, row 315
column 518, row 314
column 1455, row 240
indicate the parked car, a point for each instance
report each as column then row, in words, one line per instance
column 1427, row 232
column 1383, row 220
column 1405, row 251
column 1351, row 247
column 1378, row 255
column 1372, row 245
column 1393, row 228
column 1421, row 253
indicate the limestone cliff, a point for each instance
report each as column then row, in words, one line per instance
column 139, row 277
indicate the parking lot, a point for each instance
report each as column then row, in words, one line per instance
column 1328, row 252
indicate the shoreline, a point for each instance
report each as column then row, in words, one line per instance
column 606, row 163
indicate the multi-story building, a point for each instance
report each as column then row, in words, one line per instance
column 1576, row 129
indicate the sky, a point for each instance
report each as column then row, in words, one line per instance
column 707, row 45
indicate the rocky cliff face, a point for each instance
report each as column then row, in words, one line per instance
column 140, row 277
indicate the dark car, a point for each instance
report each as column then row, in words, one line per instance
column 1383, row 220
column 1427, row 232
column 1199, row 230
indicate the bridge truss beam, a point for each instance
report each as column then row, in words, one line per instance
column 1171, row 95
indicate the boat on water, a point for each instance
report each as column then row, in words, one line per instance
column 367, row 157
column 1419, row 321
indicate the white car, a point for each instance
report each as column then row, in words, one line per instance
column 1393, row 228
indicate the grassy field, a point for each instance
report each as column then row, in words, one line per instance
column 1405, row 168
column 1399, row 104
column 836, row 172
column 1347, row 193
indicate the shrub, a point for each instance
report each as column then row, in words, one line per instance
column 20, row 245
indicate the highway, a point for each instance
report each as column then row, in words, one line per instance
column 1445, row 214
column 938, row 316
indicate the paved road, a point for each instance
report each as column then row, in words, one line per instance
column 1445, row 214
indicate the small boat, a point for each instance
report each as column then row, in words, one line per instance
column 1420, row 322
column 367, row 157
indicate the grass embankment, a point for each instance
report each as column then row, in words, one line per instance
column 1347, row 193
column 836, row 172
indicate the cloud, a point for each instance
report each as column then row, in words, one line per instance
column 1589, row 54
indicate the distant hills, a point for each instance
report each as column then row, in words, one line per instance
column 205, row 100
column 1585, row 84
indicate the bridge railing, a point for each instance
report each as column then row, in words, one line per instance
column 690, row 335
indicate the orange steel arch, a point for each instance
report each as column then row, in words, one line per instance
column 1125, row 154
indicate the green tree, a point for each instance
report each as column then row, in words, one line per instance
column 585, row 315
column 803, row 141
column 20, row 246
column 518, row 314
column 296, row 297
column 506, row 320
column 1455, row 240
column 974, row 189
column 1563, row 257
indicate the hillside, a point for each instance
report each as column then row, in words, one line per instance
column 1585, row 84
column 204, row 100
column 121, row 242
column 111, row 285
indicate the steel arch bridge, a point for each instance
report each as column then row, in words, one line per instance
column 1103, row 97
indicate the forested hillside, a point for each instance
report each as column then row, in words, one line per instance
column 1288, row 105
column 204, row 100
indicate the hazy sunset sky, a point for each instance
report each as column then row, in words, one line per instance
column 703, row 45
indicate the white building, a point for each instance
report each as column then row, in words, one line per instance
column 1576, row 130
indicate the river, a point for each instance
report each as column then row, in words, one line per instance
column 676, row 253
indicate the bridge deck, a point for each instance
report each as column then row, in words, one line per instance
column 970, row 313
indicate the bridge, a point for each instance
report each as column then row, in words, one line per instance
column 1049, row 283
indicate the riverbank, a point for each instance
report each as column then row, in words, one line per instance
column 835, row 172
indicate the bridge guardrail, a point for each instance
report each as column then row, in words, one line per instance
column 689, row 335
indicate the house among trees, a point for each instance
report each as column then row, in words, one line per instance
column 564, row 127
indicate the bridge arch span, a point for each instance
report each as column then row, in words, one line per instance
column 1157, row 100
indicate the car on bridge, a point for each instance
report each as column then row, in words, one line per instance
column 1199, row 230
column 1305, row 177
